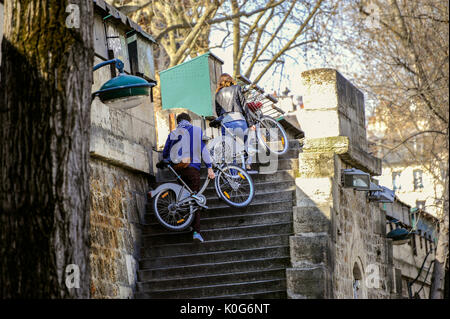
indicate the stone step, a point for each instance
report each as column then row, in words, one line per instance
column 266, row 294
column 167, row 250
column 179, row 272
column 217, row 203
column 233, row 219
column 217, row 257
column 281, row 175
column 267, row 204
column 260, row 187
column 221, row 289
column 203, row 280
column 217, row 233
column 282, row 164
column 273, row 201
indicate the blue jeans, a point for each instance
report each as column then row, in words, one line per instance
column 238, row 128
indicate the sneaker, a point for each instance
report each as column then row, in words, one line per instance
column 198, row 237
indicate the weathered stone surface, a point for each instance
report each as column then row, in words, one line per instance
column 307, row 283
column 333, row 107
column 115, row 235
column 311, row 219
column 309, row 248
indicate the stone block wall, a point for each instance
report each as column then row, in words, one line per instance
column 117, row 209
column 122, row 166
column 123, row 158
column 332, row 107
column 339, row 237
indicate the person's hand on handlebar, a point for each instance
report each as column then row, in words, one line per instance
column 252, row 128
column 162, row 163
column 211, row 174
column 216, row 123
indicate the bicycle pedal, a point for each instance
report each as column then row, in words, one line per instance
column 252, row 172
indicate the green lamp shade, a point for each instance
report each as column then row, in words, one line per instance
column 124, row 91
column 399, row 236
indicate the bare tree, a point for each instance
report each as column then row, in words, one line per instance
column 257, row 29
column 45, row 96
column 403, row 53
column 264, row 40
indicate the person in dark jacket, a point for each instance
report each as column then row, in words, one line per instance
column 232, row 108
column 185, row 147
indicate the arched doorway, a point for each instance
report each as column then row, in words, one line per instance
column 357, row 282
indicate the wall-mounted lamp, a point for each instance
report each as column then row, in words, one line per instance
column 400, row 236
column 123, row 91
column 381, row 194
column 356, row 179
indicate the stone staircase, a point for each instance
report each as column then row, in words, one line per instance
column 245, row 253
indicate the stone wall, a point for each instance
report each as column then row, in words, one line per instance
column 122, row 166
column 339, row 236
column 123, row 157
column 117, row 208
column 339, row 248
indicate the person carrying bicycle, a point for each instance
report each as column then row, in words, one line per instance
column 185, row 147
column 232, row 110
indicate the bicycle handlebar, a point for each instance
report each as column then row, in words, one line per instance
column 162, row 163
column 216, row 123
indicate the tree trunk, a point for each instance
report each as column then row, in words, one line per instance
column 437, row 281
column 45, row 97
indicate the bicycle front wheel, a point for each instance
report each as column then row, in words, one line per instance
column 169, row 214
column 272, row 135
column 235, row 186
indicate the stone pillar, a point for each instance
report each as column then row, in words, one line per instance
column 335, row 138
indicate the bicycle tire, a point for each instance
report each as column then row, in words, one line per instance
column 272, row 123
column 231, row 194
column 172, row 221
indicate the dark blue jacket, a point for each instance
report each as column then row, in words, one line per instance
column 188, row 139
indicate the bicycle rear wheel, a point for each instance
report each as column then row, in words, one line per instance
column 168, row 214
column 235, row 186
column 272, row 135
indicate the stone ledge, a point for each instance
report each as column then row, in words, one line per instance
column 349, row 153
column 122, row 153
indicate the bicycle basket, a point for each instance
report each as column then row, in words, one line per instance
column 254, row 106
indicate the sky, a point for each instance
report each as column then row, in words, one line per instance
column 270, row 82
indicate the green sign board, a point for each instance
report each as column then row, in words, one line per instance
column 191, row 85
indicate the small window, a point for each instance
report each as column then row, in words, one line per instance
column 418, row 182
column 396, row 181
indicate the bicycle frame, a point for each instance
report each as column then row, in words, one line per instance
column 184, row 193
column 241, row 154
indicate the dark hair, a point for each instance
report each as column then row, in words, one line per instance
column 183, row 116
